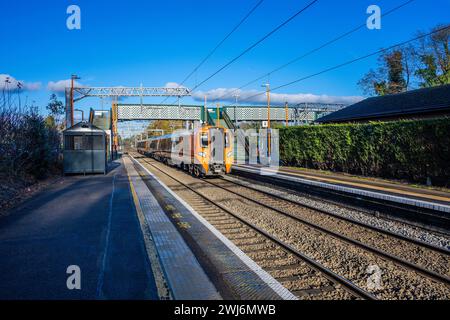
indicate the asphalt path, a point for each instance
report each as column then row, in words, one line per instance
column 84, row 221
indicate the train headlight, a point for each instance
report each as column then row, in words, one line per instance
column 202, row 154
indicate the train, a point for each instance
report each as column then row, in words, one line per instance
column 203, row 152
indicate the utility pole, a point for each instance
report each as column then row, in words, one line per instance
column 267, row 85
column 286, row 110
column 217, row 116
column 206, row 115
column 73, row 77
column 268, row 106
column 236, row 96
column 114, row 129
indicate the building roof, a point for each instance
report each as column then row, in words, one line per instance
column 83, row 126
column 420, row 101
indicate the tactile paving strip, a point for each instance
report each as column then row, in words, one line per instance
column 186, row 278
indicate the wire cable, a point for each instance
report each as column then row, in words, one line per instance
column 351, row 61
column 257, row 43
column 345, row 34
column 223, row 40
column 220, row 43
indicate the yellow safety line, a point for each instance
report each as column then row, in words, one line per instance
column 161, row 284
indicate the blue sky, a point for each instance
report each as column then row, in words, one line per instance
column 126, row 43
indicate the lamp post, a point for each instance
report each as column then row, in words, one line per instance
column 72, row 78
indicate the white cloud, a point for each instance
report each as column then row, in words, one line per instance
column 259, row 97
column 8, row 82
column 173, row 85
column 60, row 85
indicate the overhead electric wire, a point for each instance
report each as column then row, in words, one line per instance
column 223, row 40
column 351, row 61
column 313, row 51
column 220, row 43
column 257, row 43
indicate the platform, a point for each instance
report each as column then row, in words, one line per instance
column 396, row 193
column 88, row 221
column 233, row 273
column 183, row 274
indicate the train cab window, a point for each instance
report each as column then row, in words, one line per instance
column 177, row 141
column 227, row 139
column 204, row 140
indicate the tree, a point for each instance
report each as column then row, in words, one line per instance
column 396, row 78
column 56, row 109
column 425, row 63
column 392, row 75
column 50, row 121
column 55, row 106
column 433, row 54
column 167, row 125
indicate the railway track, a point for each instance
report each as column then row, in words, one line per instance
column 420, row 251
column 309, row 277
column 422, row 218
column 348, row 219
column 265, row 245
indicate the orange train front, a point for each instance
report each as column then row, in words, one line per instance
column 206, row 151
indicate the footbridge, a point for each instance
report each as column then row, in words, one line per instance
column 299, row 113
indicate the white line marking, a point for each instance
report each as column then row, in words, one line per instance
column 265, row 277
column 101, row 276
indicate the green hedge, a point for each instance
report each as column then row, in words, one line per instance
column 412, row 150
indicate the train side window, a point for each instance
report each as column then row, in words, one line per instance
column 204, row 140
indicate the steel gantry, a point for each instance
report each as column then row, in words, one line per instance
column 115, row 93
column 131, row 92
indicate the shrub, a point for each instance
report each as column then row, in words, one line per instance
column 27, row 145
column 411, row 150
